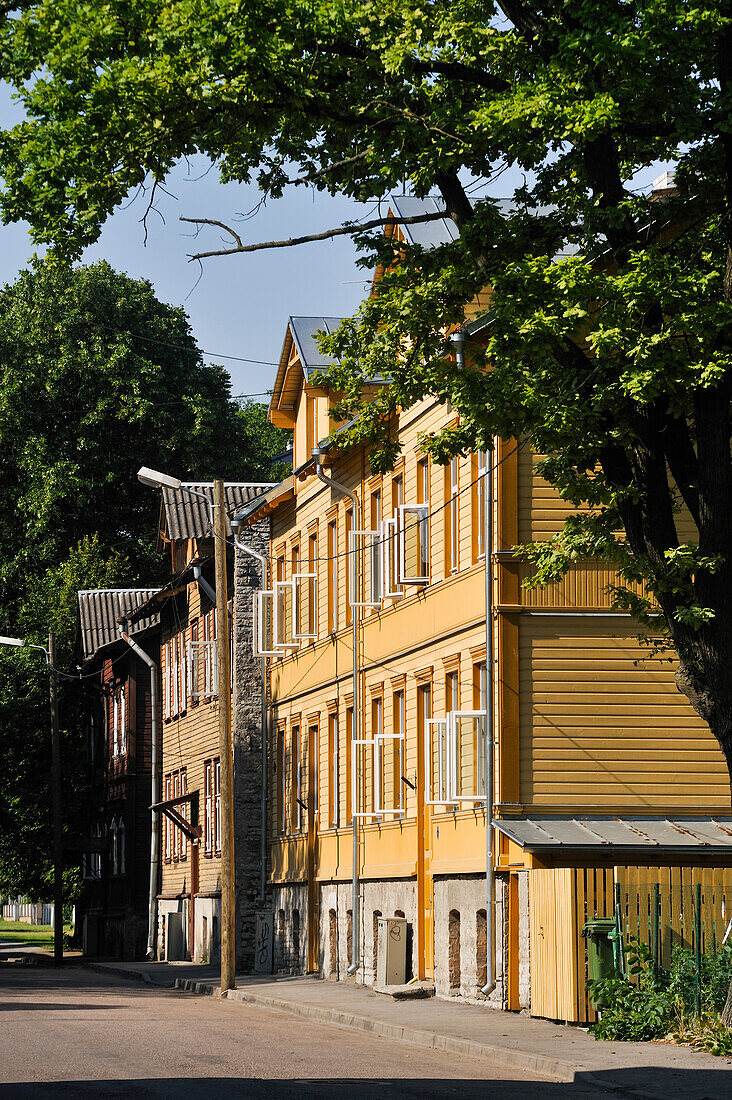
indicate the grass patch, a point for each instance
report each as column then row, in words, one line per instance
column 39, row 935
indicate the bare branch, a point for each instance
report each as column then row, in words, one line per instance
column 340, row 231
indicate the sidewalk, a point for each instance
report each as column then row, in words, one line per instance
column 658, row 1071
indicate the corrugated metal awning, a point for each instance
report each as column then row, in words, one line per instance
column 264, row 503
column 602, row 834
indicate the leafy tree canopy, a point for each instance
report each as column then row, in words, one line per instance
column 97, row 377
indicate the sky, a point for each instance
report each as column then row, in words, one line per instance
column 238, row 305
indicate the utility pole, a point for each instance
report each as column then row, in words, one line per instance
column 58, row 854
column 228, row 916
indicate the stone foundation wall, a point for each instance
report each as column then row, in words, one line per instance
column 461, row 942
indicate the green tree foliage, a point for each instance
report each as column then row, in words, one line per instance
column 97, row 377
column 610, row 335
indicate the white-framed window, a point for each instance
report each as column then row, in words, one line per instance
column 365, row 550
column 167, row 824
column 217, row 805
column 306, row 600
column 414, row 548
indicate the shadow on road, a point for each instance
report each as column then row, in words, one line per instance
column 641, row 1081
column 43, row 1006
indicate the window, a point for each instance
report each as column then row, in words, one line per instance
column 480, row 468
column 332, row 567
column 312, row 618
column 377, row 736
column 175, row 680
column 311, row 427
column 333, row 766
column 349, row 764
column 175, row 840
column 121, row 847
column 167, row 824
column 398, row 750
column 91, row 733
column 212, row 807
column 119, row 722
column 350, row 567
column 452, row 510
column 295, row 756
column 281, row 782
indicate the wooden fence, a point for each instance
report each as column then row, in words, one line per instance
column 657, row 904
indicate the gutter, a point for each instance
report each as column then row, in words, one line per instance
column 154, row 791
column 203, row 584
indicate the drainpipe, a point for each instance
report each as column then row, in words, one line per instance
column 346, row 492
column 490, row 885
column 203, row 584
column 264, row 722
column 154, row 792
column 458, row 341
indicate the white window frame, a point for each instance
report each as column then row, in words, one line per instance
column 298, row 580
column 217, row 804
column 199, row 661
column 453, row 759
column 454, row 517
column 443, row 757
column 390, row 558
column 421, row 511
column 372, row 557
column 259, row 600
column 208, row 839
column 279, row 621
column 401, row 737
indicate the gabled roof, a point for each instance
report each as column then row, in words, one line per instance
column 300, row 358
column 98, row 612
column 186, row 516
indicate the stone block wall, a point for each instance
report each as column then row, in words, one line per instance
column 247, row 737
column 460, row 938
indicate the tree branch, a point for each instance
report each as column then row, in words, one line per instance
column 340, row 231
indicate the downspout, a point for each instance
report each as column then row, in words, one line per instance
column 203, row 584
column 154, row 792
column 264, row 723
column 458, row 341
column 355, row 620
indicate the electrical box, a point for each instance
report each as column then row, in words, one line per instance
column 391, row 956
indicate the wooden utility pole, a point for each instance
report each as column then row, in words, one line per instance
column 58, row 853
column 228, row 916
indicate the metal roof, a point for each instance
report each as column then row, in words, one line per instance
column 602, row 834
column 304, row 331
column 99, row 610
column 186, row 516
column 424, row 234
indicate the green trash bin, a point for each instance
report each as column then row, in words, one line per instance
column 600, row 954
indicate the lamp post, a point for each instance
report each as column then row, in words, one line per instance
column 58, row 900
column 218, row 522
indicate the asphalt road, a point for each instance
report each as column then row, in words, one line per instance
column 76, row 1033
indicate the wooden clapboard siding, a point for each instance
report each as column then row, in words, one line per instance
column 602, row 724
column 187, row 742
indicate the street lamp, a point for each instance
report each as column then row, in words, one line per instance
column 218, row 522
column 58, row 900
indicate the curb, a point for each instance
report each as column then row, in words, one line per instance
column 135, row 975
column 552, row 1068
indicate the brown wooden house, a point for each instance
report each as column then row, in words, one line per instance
column 189, row 898
column 114, row 908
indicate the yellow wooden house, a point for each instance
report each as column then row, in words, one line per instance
column 604, row 776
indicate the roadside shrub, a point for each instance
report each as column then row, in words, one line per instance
column 646, row 1003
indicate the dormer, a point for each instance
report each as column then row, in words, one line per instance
column 298, row 401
